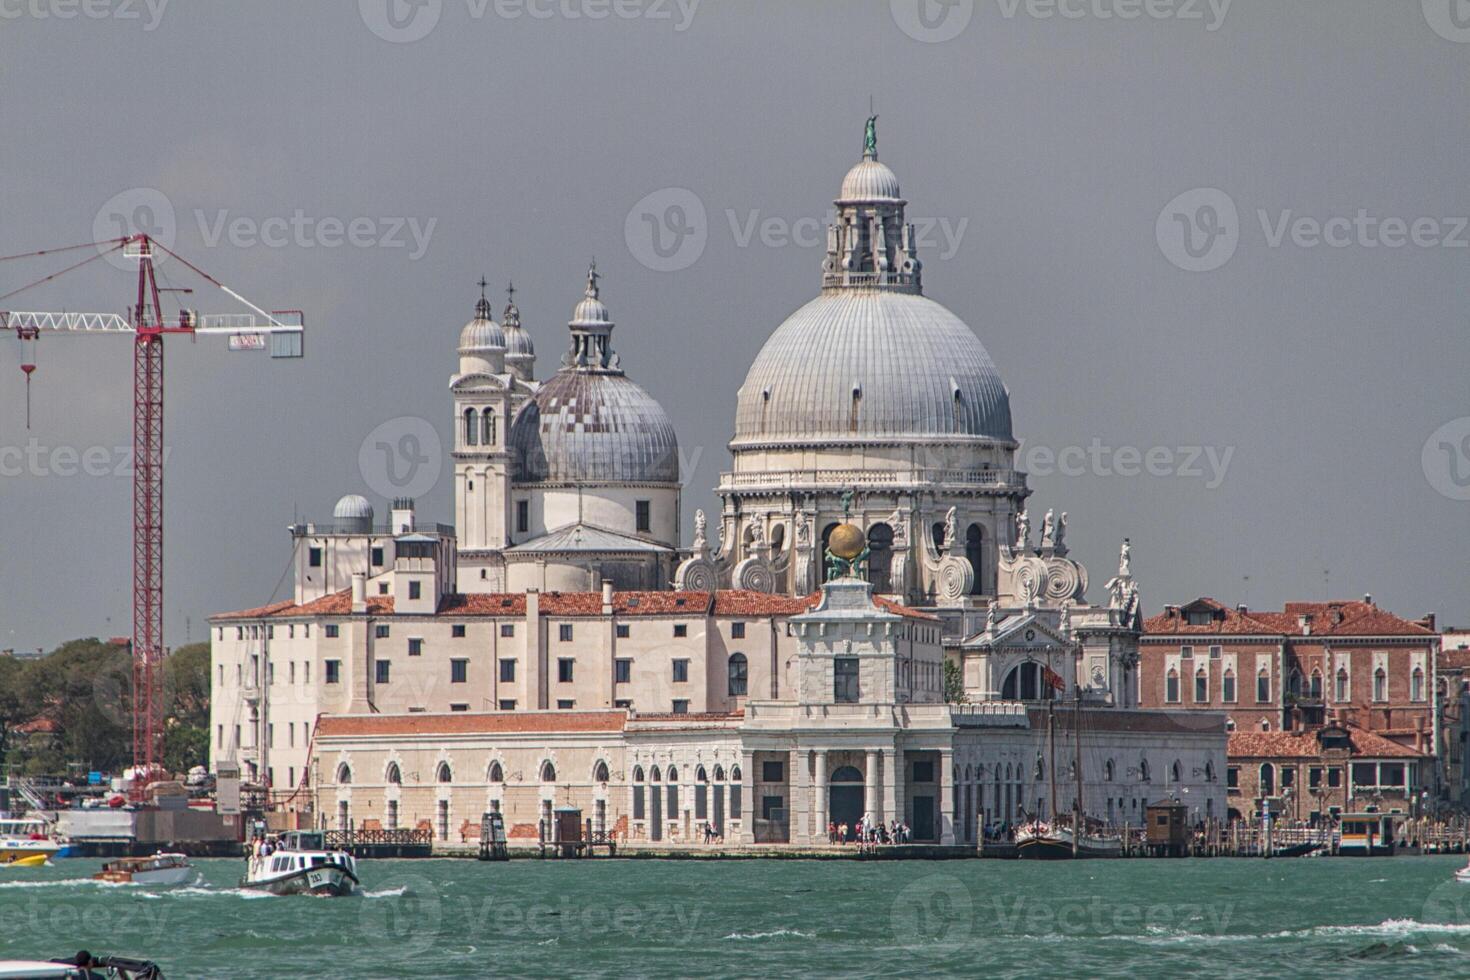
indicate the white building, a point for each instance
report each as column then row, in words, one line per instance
column 534, row 652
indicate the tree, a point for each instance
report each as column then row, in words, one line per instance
column 954, row 682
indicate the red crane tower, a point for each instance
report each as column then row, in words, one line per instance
column 281, row 330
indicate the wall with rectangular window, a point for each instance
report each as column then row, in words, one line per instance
column 459, row 671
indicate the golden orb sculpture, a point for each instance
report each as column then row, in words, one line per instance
column 846, row 542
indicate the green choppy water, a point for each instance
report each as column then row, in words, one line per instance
column 1391, row 917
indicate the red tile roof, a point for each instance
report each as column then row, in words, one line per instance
column 725, row 602
column 467, row 723
column 1304, row 745
column 1345, row 618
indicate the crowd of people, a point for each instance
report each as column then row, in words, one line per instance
column 869, row 833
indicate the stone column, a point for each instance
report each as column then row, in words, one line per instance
column 800, row 818
column 900, row 803
column 870, row 786
column 946, row 796
column 892, row 807
column 748, row 805
column 819, row 798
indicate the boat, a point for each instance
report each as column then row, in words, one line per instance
column 160, row 869
column 82, row 966
column 27, row 837
column 1463, row 874
column 299, row 863
column 1369, row 834
column 1065, row 836
column 29, row 861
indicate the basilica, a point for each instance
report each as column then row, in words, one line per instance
column 560, row 645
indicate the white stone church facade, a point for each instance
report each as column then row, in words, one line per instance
column 558, row 645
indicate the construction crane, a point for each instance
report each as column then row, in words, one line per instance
column 282, row 331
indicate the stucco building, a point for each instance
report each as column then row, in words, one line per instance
column 535, row 653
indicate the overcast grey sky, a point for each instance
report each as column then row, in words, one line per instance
column 1058, row 156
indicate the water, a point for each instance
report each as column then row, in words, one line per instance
column 1392, row 917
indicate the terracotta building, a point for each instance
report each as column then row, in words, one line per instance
column 1326, row 771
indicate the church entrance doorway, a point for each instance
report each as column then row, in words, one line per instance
column 923, row 818
column 845, row 798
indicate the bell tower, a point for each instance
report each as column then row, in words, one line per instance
column 482, row 392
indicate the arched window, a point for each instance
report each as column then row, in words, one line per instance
column 719, row 774
column 738, row 673
column 672, row 775
column 975, row 555
column 548, row 772
column 846, row 774
column 1268, row 779
column 700, row 776
column 1209, row 771
column 1380, row 685
column 394, row 776
column 1227, row 686
column 778, row 539
column 1143, row 769
column 443, row 774
column 496, row 773
column 1344, row 688
column 487, row 427
column 1176, row 773
column 1201, row 685
column 599, row 773
column 653, row 775
column 1315, row 688
column 734, row 774
column 880, row 557
column 471, row 428
column 344, row 774
column 1108, row 771
column 1416, row 685
column 1026, row 682
column 1294, row 683
column 637, row 774
column 1171, row 686
column 1263, row 686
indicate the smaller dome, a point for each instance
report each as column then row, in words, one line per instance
column 870, row 180
column 481, row 334
column 353, row 512
column 590, row 311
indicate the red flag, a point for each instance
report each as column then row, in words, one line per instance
column 1054, row 679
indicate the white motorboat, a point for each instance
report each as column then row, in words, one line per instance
column 160, row 869
column 22, row 839
column 1463, row 874
column 298, row 863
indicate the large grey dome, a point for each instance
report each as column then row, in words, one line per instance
column 586, row 427
column 860, row 364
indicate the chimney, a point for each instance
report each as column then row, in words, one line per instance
column 1241, row 609
column 1429, row 621
column 1368, row 598
column 1305, row 622
column 402, row 515
column 359, row 592
column 607, row 598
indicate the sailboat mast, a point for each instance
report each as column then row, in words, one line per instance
column 1077, row 769
column 1051, row 768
